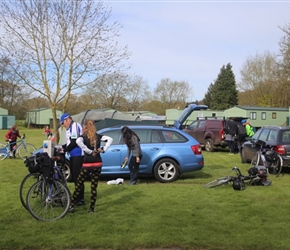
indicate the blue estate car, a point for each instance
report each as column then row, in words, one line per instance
column 167, row 151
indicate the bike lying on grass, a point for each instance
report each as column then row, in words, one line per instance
column 255, row 177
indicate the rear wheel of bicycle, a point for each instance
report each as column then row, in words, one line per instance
column 275, row 168
column 255, row 160
column 219, row 182
column 24, row 151
column 48, row 201
column 26, row 184
column 3, row 151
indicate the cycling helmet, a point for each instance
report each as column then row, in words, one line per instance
column 238, row 185
column 271, row 156
column 243, row 121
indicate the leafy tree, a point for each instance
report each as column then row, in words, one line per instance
column 222, row 94
column 208, row 95
column 59, row 46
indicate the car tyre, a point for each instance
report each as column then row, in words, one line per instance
column 166, row 170
column 209, row 147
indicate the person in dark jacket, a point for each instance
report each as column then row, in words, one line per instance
column 11, row 137
column 132, row 141
column 230, row 130
column 90, row 143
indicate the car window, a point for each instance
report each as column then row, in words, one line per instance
column 115, row 135
column 144, row 135
column 273, row 135
column 173, row 136
column 286, row 137
column 256, row 135
column 193, row 125
column 201, row 124
column 155, row 137
column 264, row 134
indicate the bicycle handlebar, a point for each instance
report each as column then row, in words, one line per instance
column 237, row 170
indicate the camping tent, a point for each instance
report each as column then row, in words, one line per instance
column 108, row 117
column 101, row 114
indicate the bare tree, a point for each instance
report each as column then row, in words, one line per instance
column 118, row 91
column 138, row 93
column 172, row 93
column 284, row 67
column 259, row 79
column 12, row 93
column 60, row 46
column 109, row 91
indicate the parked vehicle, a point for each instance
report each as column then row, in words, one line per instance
column 168, row 152
column 277, row 137
column 208, row 131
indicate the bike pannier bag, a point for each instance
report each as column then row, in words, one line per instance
column 32, row 164
column 271, row 156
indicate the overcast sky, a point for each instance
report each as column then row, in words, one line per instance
column 191, row 40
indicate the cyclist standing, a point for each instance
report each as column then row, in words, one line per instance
column 73, row 131
column 11, row 137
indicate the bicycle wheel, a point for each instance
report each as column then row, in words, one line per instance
column 48, row 201
column 275, row 168
column 3, row 151
column 25, row 150
column 26, row 184
column 219, row 182
column 255, row 160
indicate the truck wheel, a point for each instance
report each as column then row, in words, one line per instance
column 209, row 147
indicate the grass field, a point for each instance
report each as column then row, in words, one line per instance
column 183, row 214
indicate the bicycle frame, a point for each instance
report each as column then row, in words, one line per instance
column 22, row 148
column 248, row 179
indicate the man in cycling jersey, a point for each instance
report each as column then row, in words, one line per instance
column 73, row 131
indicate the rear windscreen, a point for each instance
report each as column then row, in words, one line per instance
column 286, row 137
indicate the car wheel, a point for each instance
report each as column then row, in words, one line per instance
column 166, row 170
column 67, row 171
column 243, row 157
column 209, row 147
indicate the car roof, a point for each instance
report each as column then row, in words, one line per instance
column 276, row 127
column 141, row 126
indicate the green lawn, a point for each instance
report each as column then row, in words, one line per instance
column 182, row 214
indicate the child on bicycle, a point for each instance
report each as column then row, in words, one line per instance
column 11, row 137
